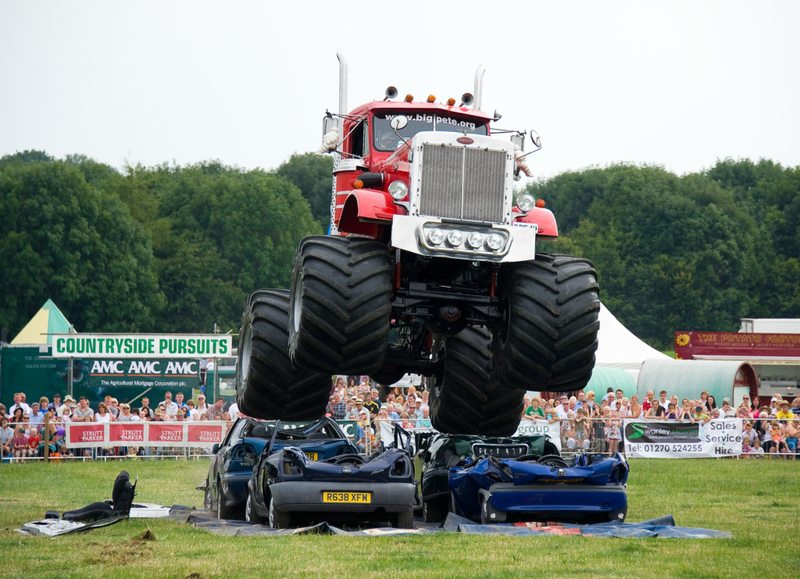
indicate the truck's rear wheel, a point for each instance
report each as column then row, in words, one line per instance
column 550, row 338
column 268, row 386
column 341, row 305
column 470, row 399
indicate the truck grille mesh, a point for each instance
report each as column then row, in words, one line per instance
column 462, row 183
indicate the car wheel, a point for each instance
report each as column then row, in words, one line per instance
column 404, row 519
column 223, row 510
column 470, row 398
column 250, row 513
column 277, row 519
column 485, row 520
column 267, row 385
column 341, row 305
column 434, row 510
column 550, row 338
column 208, row 503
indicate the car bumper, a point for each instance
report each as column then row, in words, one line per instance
column 303, row 496
column 234, row 487
column 558, row 501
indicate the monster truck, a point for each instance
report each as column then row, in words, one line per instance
column 430, row 267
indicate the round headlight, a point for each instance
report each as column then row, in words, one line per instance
column 398, row 190
column 455, row 238
column 526, row 202
column 475, row 240
column 435, row 236
column 495, row 241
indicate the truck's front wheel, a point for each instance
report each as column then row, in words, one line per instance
column 550, row 338
column 470, row 399
column 341, row 305
column 267, row 384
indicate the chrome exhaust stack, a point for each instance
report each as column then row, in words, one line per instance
column 342, row 82
column 478, row 90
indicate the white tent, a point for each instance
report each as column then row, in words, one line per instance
column 618, row 347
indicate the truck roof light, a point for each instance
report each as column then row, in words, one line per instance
column 431, row 98
column 540, row 203
column 451, row 101
column 409, row 98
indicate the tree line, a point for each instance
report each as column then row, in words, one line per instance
column 150, row 249
column 177, row 249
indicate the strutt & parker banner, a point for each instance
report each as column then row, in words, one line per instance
column 204, row 433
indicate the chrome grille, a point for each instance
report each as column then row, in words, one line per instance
column 462, row 183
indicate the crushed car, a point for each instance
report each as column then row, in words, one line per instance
column 522, row 478
column 288, row 487
column 226, row 485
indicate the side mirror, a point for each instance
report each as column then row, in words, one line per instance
column 536, row 139
column 519, row 140
column 215, row 448
column 328, row 124
column 399, row 122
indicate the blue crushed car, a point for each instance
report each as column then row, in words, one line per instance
column 589, row 488
column 441, row 452
column 226, row 485
column 289, row 488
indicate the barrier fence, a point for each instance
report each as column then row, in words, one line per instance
column 636, row 438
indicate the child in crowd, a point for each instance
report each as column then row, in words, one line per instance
column 756, row 451
column 746, row 448
column 20, row 443
column 580, row 430
column 568, row 432
column 614, row 432
column 672, row 413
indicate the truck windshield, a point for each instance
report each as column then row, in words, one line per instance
column 385, row 139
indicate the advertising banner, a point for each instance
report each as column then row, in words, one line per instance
column 735, row 345
column 142, row 345
column 672, row 439
column 170, row 374
column 180, row 434
column 530, row 427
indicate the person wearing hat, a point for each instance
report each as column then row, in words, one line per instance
column 700, row 415
column 68, row 402
column 784, row 413
column 56, row 401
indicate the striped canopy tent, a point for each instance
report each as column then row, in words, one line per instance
column 47, row 321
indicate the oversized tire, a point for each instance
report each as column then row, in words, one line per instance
column 268, row 386
column 341, row 305
column 469, row 398
column 550, row 338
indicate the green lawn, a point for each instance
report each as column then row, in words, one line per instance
column 756, row 500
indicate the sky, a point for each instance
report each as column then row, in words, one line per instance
column 676, row 84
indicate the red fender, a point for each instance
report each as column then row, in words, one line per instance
column 544, row 218
column 366, row 209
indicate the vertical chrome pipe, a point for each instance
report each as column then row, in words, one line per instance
column 342, row 83
column 478, row 92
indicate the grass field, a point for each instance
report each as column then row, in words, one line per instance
column 757, row 501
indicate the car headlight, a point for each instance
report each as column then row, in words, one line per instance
column 398, row 190
column 526, row 202
column 495, row 241
column 455, row 238
column 475, row 240
column 435, row 236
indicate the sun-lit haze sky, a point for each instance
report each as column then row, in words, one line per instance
column 678, row 84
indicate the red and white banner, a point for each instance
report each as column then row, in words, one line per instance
column 205, row 433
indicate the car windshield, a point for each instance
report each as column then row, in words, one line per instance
column 385, row 139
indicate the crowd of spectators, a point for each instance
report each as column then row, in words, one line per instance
column 356, row 398
column 587, row 424
column 22, row 426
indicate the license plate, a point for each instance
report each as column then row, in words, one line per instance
column 335, row 497
column 499, row 450
column 312, row 455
